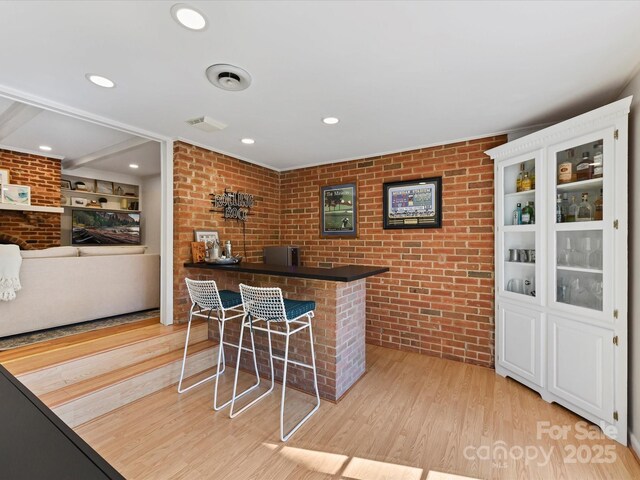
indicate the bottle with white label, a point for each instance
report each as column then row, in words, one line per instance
column 597, row 161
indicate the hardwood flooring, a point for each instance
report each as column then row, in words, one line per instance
column 412, row 417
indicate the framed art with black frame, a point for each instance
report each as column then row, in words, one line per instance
column 413, row 203
column 339, row 211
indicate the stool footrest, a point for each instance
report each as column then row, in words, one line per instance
column 300, row 364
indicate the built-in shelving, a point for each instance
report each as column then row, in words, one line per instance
column 94, row 194
column 105, row 209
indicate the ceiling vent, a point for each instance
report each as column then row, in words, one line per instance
column 206, row 124
column 228, row 77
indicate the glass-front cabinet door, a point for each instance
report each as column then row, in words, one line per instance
column 518, row 223
column 581, row 209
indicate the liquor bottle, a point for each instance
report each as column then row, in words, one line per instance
column 566, row 171
column 597, row 207
column 519, row 178
column 585, row 212
column 565, row 206
column 573, row 210
column 526, row 182
column 527, row 214
column 517, row 215
column 595, row 258
column 584, row 169
column 559, row 213
column 597, row 161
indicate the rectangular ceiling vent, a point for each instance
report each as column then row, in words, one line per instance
column 206, row 124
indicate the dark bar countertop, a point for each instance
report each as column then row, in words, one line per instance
column 346, row 273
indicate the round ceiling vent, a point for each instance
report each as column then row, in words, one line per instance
column 228, row 77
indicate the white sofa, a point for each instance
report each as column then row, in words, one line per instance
column 66, row 285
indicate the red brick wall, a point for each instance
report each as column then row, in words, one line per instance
column 197, row 173
column 438, row 296
column 42, row 174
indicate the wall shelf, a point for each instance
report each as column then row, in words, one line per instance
column 119, row 210
column 94, row 194
column 30, row 208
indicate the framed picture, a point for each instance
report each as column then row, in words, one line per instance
column 206, row 236
column 65, row 184
column 104, row 187
column 15, row 194
column 413, row 203
column 339, row 211
column 4, row 176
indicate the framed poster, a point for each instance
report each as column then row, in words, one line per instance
column 413, row 203
column 206, row 236
column 339, row 211
column 15, row 194
column 105, row 187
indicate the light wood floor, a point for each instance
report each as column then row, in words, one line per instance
column 410, row 417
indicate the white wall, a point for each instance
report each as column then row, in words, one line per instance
column 633, row 88
column 151, row 203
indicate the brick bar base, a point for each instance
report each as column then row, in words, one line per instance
column 338, row 330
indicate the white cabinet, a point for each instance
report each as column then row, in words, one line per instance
column 561, row 280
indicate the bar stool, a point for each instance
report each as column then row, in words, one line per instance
column 267, row 305
column 206, row 297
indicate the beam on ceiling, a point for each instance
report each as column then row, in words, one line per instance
column 106, row 152
column 15, row 117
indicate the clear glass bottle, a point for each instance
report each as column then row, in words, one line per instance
column 566, row 169
column 572, row 210
column 597, row 160
column 584, row 169
column 532, row 175
column 565, row 206
column 519, row 178
column 564, row 254
column 559, row 213
column 517, row 215
column 597, row 207
column 595, row 257
column 585, row 212
column 526, row 182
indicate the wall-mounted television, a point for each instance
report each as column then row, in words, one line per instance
column 102, row 227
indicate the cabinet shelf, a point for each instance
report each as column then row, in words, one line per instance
column 119, row 210
column 520, row 194
column 519, row 228
column 94, row 194
column 579, row 186
column 568, row 268
column 580, row 226
column 528, row 264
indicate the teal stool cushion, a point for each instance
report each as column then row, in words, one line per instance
column 230, row 298
column 295, row 308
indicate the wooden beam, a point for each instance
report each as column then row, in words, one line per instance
column 106, row 152
column 14, row 117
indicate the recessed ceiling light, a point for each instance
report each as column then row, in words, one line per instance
column 248, row 141
column 188, row 17
column 45, row 148
column 330, row 120
column 100, row 80
column 134, row 165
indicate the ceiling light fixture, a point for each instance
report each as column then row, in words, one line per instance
column 248, row 141
column 134, row 165
column 188, row 17
column 45, row 148
column 330, row 120
column 100, row 80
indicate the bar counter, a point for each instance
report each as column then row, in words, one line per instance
column 338, row 324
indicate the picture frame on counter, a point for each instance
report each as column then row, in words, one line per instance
column 339, row 211
column 104, row 187
column 412, row 203
column 4, row 176
column 206, row 236
column 15, row 194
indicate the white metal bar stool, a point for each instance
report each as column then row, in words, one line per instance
column 267, row 305
column 205, row 300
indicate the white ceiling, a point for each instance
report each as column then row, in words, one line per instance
column 398, row 74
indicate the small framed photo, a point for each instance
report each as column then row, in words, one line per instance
column 198, row 252
column 4, row 176
column 339, row 211
column 413, row 203
column 15, row 194
column 105, row 187
column 65, row 184
column 206, row 236
column 79, row 202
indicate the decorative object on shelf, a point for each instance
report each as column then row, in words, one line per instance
column 234, row 205
column 198, row 252
column 102, row 201
column 227, row 260
column 93, row 204
column 339, row 211
column 206, row 236
column 413, row 203
column 4, row 176
column 119, row 190
column 79, row 202
column 65, row 184
column 134, row 205
column 105, row 187
column 15, row 194
column 82, row 187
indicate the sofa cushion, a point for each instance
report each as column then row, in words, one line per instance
column 53, row 252
column 114, row 250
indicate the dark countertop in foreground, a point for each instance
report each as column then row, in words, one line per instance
column 347, row 273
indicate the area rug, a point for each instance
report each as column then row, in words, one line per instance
column 23, row 339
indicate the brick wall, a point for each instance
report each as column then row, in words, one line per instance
column 42, row 174
column 438, row 296
column 199, row 172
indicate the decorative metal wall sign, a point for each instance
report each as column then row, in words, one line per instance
column 234, row 205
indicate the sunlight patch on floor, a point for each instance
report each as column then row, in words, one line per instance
column 363, row 469
column 433, row 475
